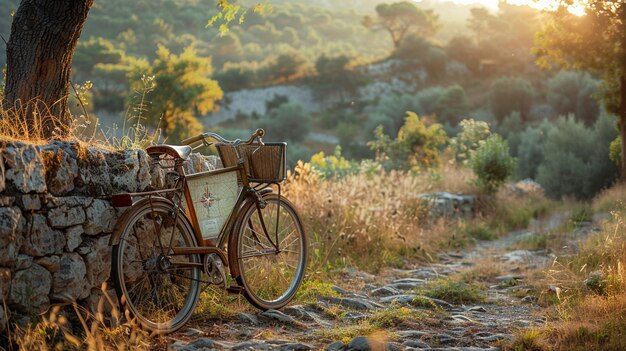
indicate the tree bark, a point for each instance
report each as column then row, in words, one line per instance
column 622, row 123
column 43, row 38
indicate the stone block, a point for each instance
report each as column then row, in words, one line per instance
column 11, row 226
column 73, row 237
column 40, row 239
column 71, row 280
column 61, row 169
column 96, row 253
column 101, row 217
column 30, row 289
column 66, row 216
column 24, row 168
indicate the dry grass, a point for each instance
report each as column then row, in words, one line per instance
column 75, row 328
column 611, row 199
column 589, row 313
column 16, row 126
column 365, row 221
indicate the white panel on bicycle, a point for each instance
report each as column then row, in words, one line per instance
column 214, row 195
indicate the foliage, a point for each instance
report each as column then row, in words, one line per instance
column 615, row 151
column 287, row 122
column 576, row 161
column 530, row 152
column 574, row 92
column 333, row 166
column 415, row 148
column 335, row 77
column 182, row 88
column 452, row 291
column 452, row 105
column 492, row 163
column 511, row 128
column 573, row 42
column 230, row 12
column 472, row 134
column 463, row 50
column 276, row 102
column 509, row 94
column 401, row 18
column 390, row 111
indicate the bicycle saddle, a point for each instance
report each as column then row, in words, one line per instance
column 171, row 150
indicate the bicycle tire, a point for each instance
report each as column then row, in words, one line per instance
column 161, row 299
column 268, row 278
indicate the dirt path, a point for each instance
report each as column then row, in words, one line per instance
column 391, row 309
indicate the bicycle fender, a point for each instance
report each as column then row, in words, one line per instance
column 121, row 221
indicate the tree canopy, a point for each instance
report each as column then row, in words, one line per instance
column 402, row 18
column 594, row 42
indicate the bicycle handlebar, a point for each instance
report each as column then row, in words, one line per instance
column 259, row 133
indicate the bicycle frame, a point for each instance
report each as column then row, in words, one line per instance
column 181, row 189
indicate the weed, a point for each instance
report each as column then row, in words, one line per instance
column 452, row 292
column 527, row 340
column 312, row 288
column 480, row 231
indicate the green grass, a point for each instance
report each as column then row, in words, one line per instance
column 480, row 231
column 312, row 288
column 452, row 291
column 533, row 242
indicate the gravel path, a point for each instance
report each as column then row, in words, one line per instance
column 391, row 306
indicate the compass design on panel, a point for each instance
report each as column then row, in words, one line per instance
column 208, row 199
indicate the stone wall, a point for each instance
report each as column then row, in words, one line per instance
column 56, row 218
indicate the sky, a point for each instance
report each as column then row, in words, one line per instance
column 541, row 4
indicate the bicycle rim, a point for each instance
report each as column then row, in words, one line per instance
column 157, row 293
column 270, row 277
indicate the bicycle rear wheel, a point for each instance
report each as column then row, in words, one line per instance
column 159, row 289
column 270, row 276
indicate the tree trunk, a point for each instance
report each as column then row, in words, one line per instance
column 622, row 123
column 43, row 37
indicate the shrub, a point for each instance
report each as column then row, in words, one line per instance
column 469, row 139
column 332, row 166
column 452, row 105
column 530, row 152
column 573, row 92
column 492, row 163
column 576, row 159
column 615, row 151
column 390, row 112
column 288, row 122
column 510, row 94
column 511, row 129
column 416, row 146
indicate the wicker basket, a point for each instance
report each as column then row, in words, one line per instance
column 262, row 163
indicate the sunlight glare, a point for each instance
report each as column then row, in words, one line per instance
column 577, row 8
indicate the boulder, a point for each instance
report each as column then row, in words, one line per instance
column 443, row 204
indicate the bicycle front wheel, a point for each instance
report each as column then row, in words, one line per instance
column 159, row 289
column 268, row 252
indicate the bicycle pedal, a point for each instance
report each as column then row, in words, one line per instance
column 235, row 289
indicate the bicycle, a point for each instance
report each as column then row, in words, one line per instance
column 164, row 240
